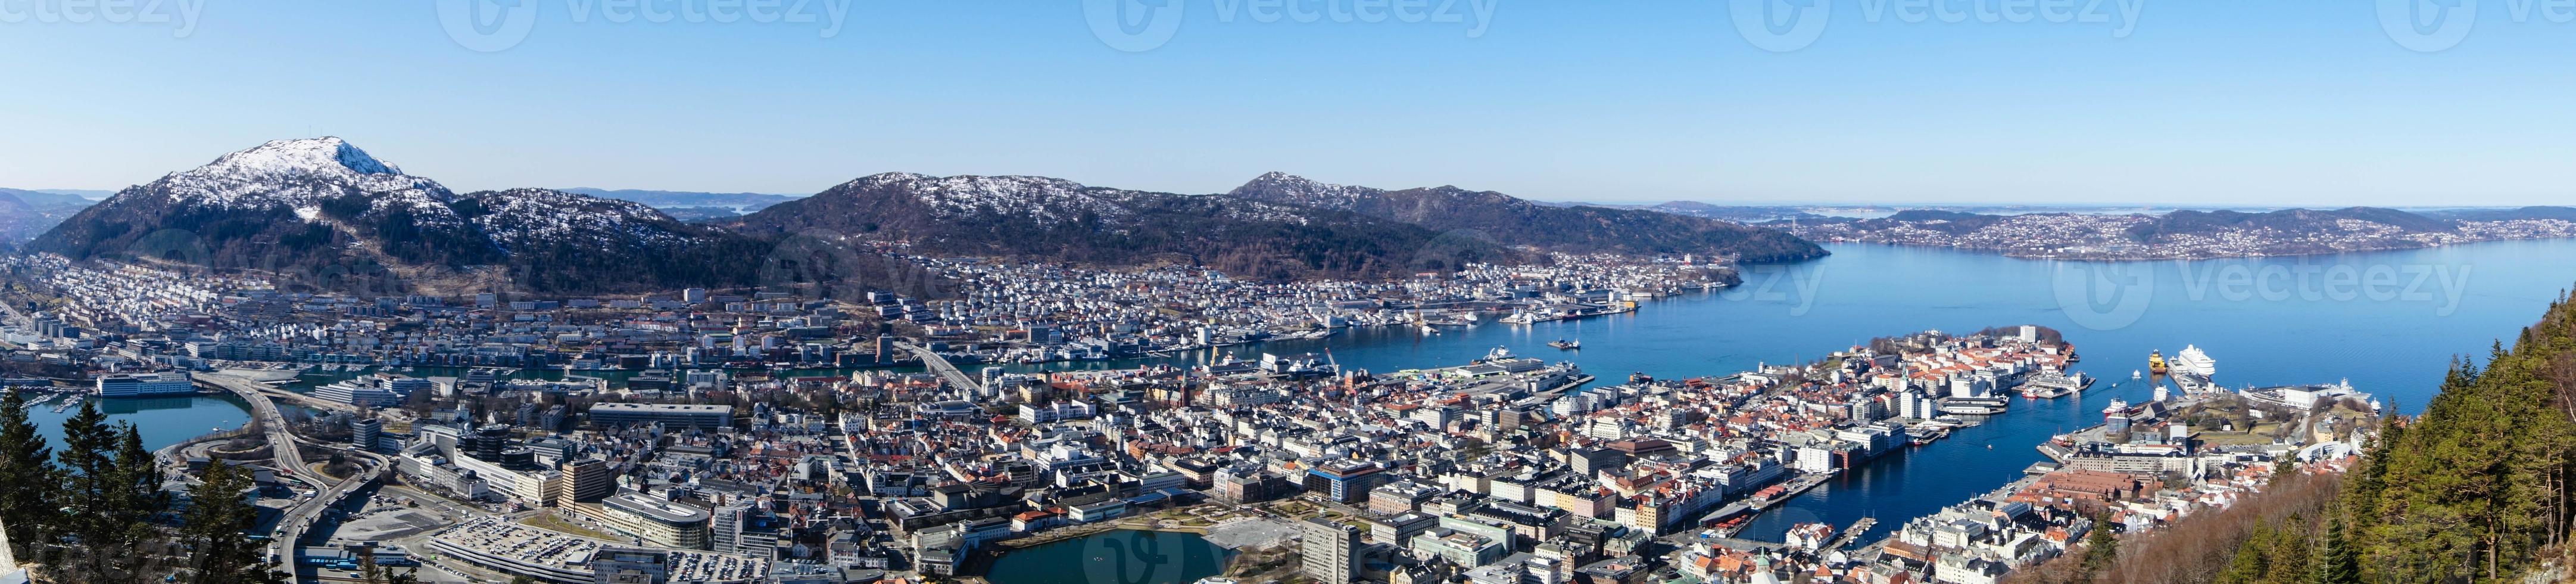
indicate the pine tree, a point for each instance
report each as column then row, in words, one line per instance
column 2101, row 548
column 133, row 503
column 2336, row 564
column 89, row 469
column 214, row 523
column 27, row 482
column 2253, row 559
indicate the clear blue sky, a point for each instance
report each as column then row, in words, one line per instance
column 2261, row 102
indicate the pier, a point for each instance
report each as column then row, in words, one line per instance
column 1852, row 533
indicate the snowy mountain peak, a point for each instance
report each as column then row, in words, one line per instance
column 1284, row 188
column 298, row 173
column 305, row 156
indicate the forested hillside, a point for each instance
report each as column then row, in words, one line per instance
column 2474, row 489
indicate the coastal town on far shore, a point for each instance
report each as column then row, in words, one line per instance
column 2099, row 235
column 753, row 436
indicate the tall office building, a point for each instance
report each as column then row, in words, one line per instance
column 726, row 528
column 1331, row 550
column 588, row 480
column 364, row 432
column 488, row 441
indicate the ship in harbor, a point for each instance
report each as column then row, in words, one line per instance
column 2051, row 384
column 2192, row 368
column 1566, row 344
column 2194, row 361
column 1975, row 406
column 2156, row 362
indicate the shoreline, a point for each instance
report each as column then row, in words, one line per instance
column 2013, row 253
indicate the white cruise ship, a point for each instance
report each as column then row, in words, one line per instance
column 2191, row 360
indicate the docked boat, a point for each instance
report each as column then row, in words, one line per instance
column 2156, row 362
column 1975, row 406
column 1565, row 344
column 2193, row 361
column 2051, row 384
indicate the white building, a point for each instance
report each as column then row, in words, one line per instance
column 169, row 383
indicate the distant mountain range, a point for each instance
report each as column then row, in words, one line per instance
column 1735, row 213
column 25, row 213
column 325, row 214
column 1513, row 221
column 1059, row 220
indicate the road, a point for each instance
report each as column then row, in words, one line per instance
column 285, row 448
column 941, row 366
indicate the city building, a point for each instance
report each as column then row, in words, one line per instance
column 615, row 414
column 146, row 384
column 1331, row 551
column 658, row 522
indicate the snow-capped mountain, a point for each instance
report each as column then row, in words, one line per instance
column 519, row 219
column 303, row 175
column 323, row 206
column 554, row 240
column 1514, row 221
column 1281, row 187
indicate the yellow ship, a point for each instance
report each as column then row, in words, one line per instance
column 2156, row 362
